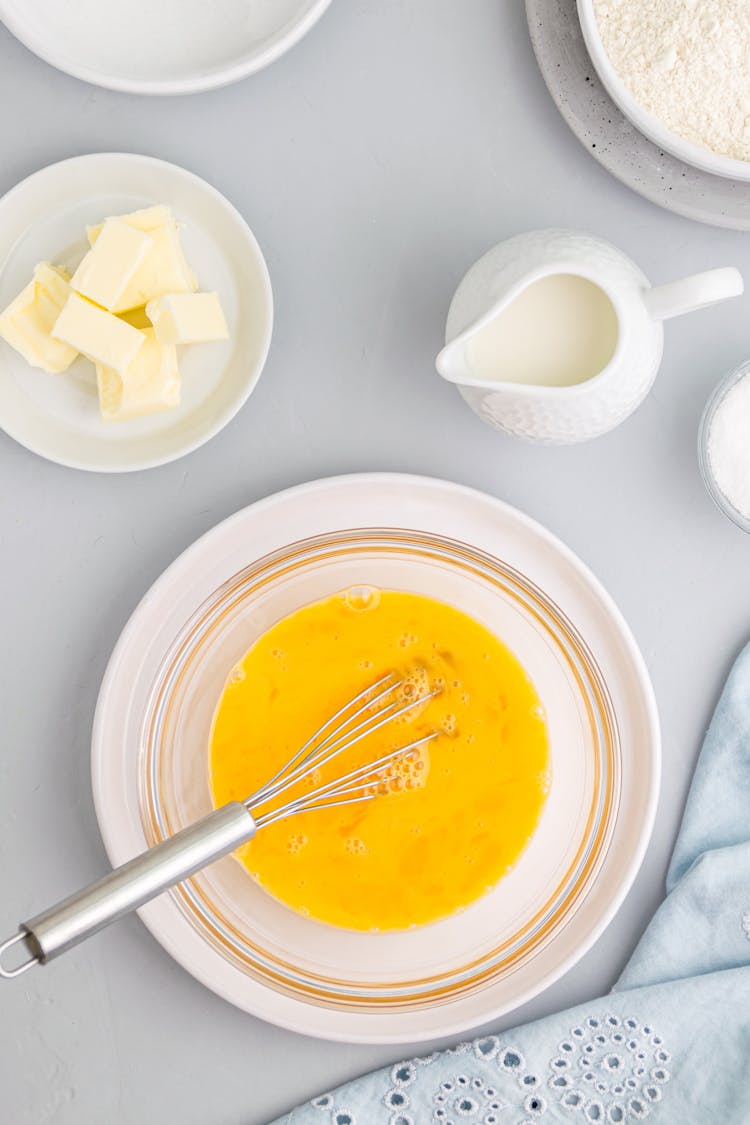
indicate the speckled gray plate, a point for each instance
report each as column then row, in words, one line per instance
column 610, row 137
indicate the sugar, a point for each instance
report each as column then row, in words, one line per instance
column 729, row 446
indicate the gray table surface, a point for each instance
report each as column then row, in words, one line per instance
column 374, row 162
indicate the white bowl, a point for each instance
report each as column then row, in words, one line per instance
column 169, row 47
column 44, row 218
column 150, row 755
column 644, row 121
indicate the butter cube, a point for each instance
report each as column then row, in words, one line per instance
column 150, row 384
column 187, row 318
column 98, row 334
column 163, row 269
column 111, row 262
column 28, row 321
column 148, row 219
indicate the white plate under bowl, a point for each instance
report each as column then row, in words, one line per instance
column 169, row 47
column 651, row 126
column 129, row 698
column 44, row 218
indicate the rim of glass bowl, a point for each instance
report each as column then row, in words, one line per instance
column 538, row 931
column 717, row 396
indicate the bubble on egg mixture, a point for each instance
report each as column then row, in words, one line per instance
column 449, row 724
column 237, row 674
column 415, row 683
column 407, row 639
column 314, row 778
column 355, row 846
column 361, row 598
column 296, row 843
column 410, row 771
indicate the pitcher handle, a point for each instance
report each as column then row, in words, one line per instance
column 691, row 293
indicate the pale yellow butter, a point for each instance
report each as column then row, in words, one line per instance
column 28, row 321
column 188, row 318
column 163, row 269
column 98, row 334
column 110, row 264
column 148, row 219
column 150, row 384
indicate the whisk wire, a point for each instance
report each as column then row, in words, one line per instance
column 340, row 740
column 365, row 774
column 270, row 788
column 352, row 737
column 355, row 781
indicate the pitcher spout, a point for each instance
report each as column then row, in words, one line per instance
column 454, row 362
column 451, row 362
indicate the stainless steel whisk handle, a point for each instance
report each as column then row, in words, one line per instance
column 129, row 886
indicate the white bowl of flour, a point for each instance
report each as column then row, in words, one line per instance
column 680, row 71
column 724, row 449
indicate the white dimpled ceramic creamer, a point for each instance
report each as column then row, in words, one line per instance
column 556, row 336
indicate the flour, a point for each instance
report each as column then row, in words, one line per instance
column 688, row 63
column 729, row 446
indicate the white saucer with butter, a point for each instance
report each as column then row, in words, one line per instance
column 44, row 219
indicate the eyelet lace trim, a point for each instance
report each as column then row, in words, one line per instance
column 607, row 1071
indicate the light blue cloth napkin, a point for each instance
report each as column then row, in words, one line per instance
column 670, row 1043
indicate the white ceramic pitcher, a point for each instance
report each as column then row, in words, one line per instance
column 563, row 414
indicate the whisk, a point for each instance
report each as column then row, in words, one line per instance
column 141, row 879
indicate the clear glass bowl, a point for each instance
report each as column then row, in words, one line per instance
column 704, row 460
column 511, row 924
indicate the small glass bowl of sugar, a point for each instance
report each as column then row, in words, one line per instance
column 724, row 446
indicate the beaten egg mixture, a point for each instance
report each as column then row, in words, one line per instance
column 454, row 816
